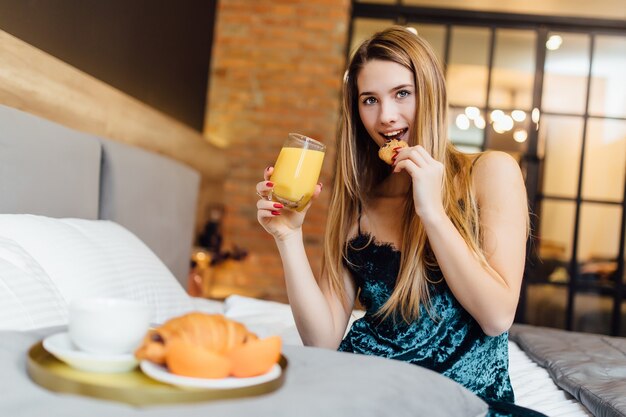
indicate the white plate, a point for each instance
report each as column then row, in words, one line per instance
column 160, row 373
column 61, row 347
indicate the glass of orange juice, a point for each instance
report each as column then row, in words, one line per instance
column 297, row 170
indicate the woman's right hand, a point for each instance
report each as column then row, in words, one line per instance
column 279, row 221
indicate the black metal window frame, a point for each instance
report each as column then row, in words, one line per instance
column 542, row 25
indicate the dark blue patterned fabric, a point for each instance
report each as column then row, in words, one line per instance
column 448, row 340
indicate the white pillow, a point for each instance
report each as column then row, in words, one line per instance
column 267, row 318
column 86, row 258
column 207, row 306
column 28, row 297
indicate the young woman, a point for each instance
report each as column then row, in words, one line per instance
column 433, row 244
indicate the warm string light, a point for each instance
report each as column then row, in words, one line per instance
column 462, row 122
column 554, row 42
column 520, row 135
column 479, row 122
column 472, row 114
column 518, row 115
column 500, row 121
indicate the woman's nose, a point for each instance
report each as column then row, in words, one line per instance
column 388, row 113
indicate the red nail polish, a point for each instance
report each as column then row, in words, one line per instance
column 278, row 205
column 396, row 149
column 276, row 213
column 269, row 184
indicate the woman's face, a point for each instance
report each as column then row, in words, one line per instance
column 386, row 100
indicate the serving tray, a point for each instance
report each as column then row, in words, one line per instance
column 132, row 387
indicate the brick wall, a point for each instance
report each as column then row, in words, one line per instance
column 277, row 67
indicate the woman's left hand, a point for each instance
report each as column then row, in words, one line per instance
column 427, row 178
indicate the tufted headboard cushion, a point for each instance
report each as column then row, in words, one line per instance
column 50, row 170
column 46, row 168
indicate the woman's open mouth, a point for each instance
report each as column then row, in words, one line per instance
column 395, row 134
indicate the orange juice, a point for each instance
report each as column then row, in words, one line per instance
column 295, row 175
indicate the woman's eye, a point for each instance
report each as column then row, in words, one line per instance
column 403, row 93
column 369, row 100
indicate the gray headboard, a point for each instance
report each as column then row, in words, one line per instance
column 50, row 170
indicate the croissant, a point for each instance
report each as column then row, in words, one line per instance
column 209, row 346
column 212, row 332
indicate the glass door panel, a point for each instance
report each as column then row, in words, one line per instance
column 624, row 272
column 605, row 160
column 435, row 35
column 608, row 82
column 468, row 67
column 513, row 72
column 599, row 231
column 565, row 73
column 598, row 242
column 592, row 313
column 507, row 134
column 555, row 237
column 545, row 306
column 466, row 128
column 560, row 141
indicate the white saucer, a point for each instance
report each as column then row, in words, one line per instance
column 160, row 373
column 61, row 347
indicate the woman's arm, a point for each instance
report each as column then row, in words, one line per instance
column 321, row 317
column 489, row 293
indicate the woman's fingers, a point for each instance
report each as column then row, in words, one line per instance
column 406, row 164
column 264, row 188
column 424, row 154
column 418, row 162
column 417, row 154
column 268, row 208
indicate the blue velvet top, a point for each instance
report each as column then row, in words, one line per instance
column 450, row 342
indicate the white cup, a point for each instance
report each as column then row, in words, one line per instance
column 108, row 326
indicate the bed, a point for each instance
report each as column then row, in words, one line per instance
column 82, row 215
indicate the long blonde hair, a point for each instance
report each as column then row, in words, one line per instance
column 359, row 170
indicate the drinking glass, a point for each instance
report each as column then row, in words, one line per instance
column 297, row 170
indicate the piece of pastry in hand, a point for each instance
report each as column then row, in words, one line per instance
column 386, row 152
column 209, row 346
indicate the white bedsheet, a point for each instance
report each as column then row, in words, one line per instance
column 531, row 383
column 535, row 389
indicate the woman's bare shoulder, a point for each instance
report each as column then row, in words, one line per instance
column 494, row 159
column 495, row 162
column 495, row 172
